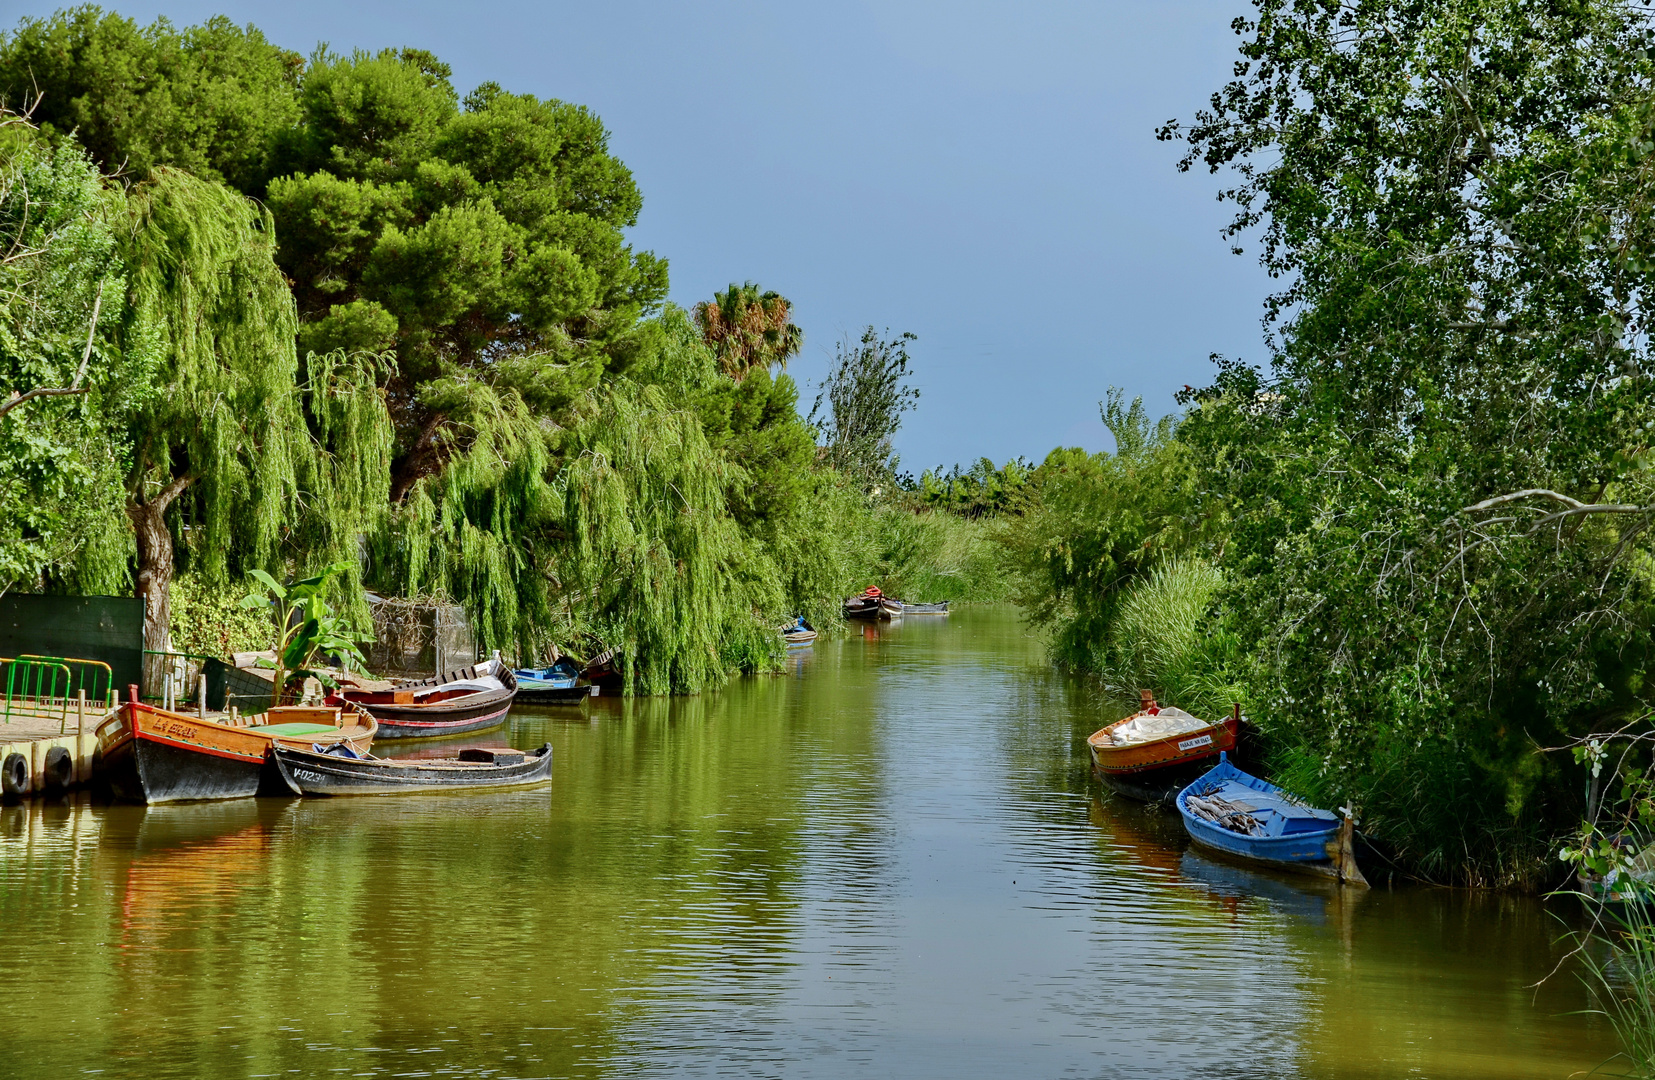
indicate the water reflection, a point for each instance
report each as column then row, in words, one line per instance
column 889, row 856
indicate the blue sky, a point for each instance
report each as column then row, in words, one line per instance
column 984, row 174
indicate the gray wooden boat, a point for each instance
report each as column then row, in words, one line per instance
column 925, row 609
column 310, row 772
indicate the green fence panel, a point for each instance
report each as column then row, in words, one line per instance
column 106, row 628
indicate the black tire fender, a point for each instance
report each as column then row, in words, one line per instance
column 57, row 772
column 14, row 776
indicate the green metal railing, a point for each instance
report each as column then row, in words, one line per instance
column 55, row 682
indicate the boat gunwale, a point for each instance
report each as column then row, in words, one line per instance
column 1125, row 760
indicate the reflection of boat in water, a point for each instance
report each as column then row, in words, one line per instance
column 188, row 858
column 1146, row 838
column 186, row 825
column 1303, row 897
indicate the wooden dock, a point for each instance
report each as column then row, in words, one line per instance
column 46, row 744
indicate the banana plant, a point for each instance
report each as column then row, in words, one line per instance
column 306, row 627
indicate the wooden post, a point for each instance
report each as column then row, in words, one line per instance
column 1344, row 854
column 201, row 698
column 80, row 713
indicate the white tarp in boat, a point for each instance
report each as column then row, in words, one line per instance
column 489, row 683
column 1144, row 728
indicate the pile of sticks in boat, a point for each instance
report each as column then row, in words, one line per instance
column 1225, row 814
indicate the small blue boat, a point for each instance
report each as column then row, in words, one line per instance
column 1237, row 814
column 556, row 685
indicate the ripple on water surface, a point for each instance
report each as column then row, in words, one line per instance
column 891, row 858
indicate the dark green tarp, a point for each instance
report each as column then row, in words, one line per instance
column 106, row 628
column 227, row 686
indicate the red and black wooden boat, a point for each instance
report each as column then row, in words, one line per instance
column 470, row 699
column 152, row 755
column 872, row 604
column 1154, row 753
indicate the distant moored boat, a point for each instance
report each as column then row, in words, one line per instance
column 873, row 604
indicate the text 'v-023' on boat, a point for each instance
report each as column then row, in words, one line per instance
column 151, row 755
column 470, row 699
column 1152, row 754
column 1236, row 814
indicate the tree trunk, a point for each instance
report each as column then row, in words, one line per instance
column 155, row 577
column 423, row 459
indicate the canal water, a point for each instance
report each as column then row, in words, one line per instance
column 890, row 861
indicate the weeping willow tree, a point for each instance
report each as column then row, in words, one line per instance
column 613, row 532
column 226, row 442
column 649, row 560
column 472, row 532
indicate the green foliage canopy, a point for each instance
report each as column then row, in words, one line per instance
column 1453, row 197
column 209, row 99
column 61, row 283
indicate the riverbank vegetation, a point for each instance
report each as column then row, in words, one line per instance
column 1421, row 528
column 283, row 312
column 286, row 312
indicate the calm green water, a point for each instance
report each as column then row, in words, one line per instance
column 890, row 861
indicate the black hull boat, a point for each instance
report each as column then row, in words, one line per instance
column 458, row 703
column 150, row 755
column 152, row 773
column 556, row 695
column 871, row 605
column 306, row 772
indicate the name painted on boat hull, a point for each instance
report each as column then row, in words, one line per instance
column 1191, row 744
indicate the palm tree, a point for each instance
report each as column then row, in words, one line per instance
column 747, row 329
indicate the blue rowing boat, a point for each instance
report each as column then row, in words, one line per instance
column 556, row 685
column 1237, row 814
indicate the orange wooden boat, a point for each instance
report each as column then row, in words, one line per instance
column 152, row 755
column 1134, row 752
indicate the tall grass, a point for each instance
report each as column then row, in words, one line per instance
column 1163, row 637
column 932, row 556
column 1618, row 966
